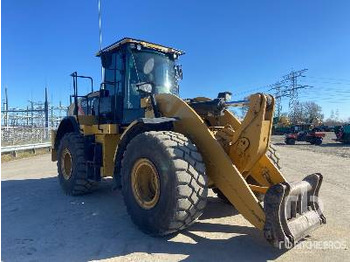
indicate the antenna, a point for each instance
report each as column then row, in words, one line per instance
column 100, row 31
column 99, row 23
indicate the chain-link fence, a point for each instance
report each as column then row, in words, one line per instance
column 20, row 135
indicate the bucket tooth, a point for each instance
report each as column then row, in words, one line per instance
column 292, row 211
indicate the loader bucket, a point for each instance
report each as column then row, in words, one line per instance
column 292, row 211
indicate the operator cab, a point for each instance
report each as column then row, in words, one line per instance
column 126, row 65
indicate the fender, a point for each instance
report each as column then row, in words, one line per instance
column 68, row 124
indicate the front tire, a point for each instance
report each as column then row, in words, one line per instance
column 318, row 141
column 163, row 182
column 71, row 165
column 290, row 141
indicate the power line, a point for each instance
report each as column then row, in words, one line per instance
column 288, row 87
column 292, row 90
column 330, row 78
column 252, row 90
column 278, row 89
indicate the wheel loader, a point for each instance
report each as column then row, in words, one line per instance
column 165, row 152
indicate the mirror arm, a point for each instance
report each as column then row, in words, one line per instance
column 155, row 106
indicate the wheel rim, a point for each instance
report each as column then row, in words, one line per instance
column 66, row 164
column 145, row 183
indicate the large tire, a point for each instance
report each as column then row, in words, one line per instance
column 177, row 195
column 71, row 165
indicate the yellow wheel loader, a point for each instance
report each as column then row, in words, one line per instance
column 165, row 152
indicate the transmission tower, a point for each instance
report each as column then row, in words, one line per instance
column 292, row 90
column 278, row 89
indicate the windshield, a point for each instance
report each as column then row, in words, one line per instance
column 153, row 67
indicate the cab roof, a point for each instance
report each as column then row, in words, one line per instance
column 127, row 40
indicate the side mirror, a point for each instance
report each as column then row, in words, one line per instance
column 178, row 72
column 144, row 87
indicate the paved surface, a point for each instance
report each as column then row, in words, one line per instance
column 40, row 223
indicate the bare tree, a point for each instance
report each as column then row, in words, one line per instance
column 312, row 112
column 334, row 120
column 296, row 114
column 306, row 112
column 337, row 114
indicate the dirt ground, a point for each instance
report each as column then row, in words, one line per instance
column 40, row 223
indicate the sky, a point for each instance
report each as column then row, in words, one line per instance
column 237, row 46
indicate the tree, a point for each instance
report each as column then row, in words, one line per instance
column 306, row 112
column 333, row 119
column 312, row 112
column 337, row 115
column 296, row 114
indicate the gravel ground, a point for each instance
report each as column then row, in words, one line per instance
column 40, row 223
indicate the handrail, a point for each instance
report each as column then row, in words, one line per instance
column 9, row 149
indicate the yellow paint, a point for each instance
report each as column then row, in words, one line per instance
column 266, row 173
column 100, row 129
column 108, row 135
column 232, row 150
column 145, row 183
column 259, row 189
column 109, row 144
column 219, row 166
column 158, row 47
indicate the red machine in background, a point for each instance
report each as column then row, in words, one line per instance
column 314, row 137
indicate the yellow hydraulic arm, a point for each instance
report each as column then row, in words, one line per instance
column 244, row 154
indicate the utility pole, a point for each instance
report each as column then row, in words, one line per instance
column 31, row 112
column 46, row 110
column 6, row 107
column 27, row 116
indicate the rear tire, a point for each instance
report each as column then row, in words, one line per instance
column 176, row 194
column 290, row 141
column 71, row 166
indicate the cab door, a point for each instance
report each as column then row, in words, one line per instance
column 132, row 99
column 111, row 107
